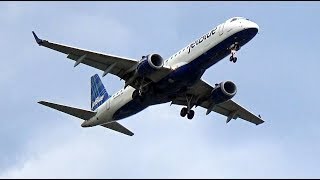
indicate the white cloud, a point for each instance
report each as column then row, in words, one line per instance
column 163, row 147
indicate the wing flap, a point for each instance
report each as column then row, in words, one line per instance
column 118, row 127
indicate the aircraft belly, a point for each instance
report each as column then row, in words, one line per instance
column 129, row 109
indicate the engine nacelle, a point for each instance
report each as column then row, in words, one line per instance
column 149, row 64
column 223, row 92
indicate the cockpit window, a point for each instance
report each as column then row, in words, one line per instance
column 233, row 19
column 237, row 18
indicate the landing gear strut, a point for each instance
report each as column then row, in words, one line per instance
column 234, row 48
column 142, row 90
column 143, row 87
column 187, row 110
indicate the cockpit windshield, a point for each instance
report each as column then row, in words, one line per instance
column 237, row 18
column 233, row 19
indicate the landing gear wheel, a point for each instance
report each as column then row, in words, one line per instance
column 231, row 58
column 190, row 114
column 235, row 59
column 183, row 112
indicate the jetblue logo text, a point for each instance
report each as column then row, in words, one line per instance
column 204, row 37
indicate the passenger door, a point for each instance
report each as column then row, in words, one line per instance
column 108, row 103
column 220, row 29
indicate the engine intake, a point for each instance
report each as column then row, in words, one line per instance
column 223, row 92
column 149, row 64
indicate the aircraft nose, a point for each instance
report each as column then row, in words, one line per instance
column 253, row 25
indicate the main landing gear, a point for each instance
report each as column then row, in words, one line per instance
column 184, row 112
column 187, row 110
column 143, row 88
column 234, row 48
column 139, row 92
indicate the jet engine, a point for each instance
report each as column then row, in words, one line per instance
column 223, row 92
column 149, row 64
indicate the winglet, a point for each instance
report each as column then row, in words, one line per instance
column 38, row 40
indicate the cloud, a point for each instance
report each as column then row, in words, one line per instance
column 163, row 147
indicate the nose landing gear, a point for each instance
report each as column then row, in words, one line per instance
column 233, row 57
column 234, row 48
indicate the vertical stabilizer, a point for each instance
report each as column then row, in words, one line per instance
column 98, row 93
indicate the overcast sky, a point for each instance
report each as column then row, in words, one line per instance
column 276, row 75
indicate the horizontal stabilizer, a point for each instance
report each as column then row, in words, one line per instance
column 80, row 113
column 118, row 127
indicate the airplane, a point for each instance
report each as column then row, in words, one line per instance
column 154, row 80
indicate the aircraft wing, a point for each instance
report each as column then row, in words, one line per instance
column 115, row 65
column 231, row 109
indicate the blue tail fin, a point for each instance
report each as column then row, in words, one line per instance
column 98, row 93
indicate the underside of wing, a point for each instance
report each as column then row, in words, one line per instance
column 115, row 65
column 233, row 110
column 201, row 92
column 124, row 68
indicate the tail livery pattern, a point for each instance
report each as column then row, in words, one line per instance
column 98, row 93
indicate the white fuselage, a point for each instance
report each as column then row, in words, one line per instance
column 186, row 55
